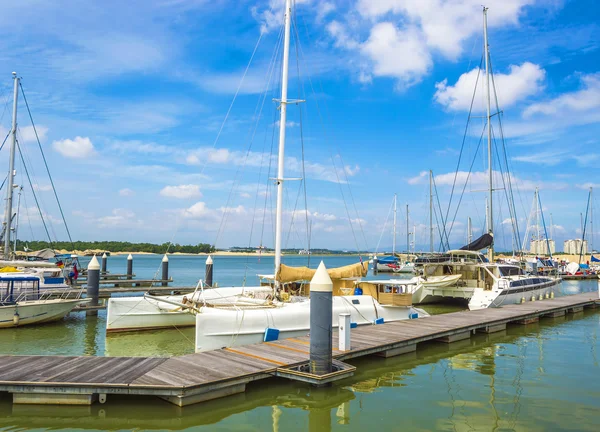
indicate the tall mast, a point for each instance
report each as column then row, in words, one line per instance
column 282, row 121
column 407, row 231
column 551, row 227
column 11, row 170
column 469, row 231
column 537, row 221
column 591, row 221
column 430, row 211
column 394, row 239
column 489, row 134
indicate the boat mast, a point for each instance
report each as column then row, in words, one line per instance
column 591, row 221
column 430, row 211
column 11, row 171
column 394, row 239
column 537, row 222
column 469, row 231
column 282, row 121
column 489, row 134
column 407, row 232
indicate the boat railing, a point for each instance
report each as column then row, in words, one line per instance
column 48, row 294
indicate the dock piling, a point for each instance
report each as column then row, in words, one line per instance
column 93, row 284
column 375, row 262
column 208, row 274
column 165, row 270
column 129, row 267
column 104, row 262
column 321, row 313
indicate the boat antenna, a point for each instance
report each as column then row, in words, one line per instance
column 282, row 126
column 489, row 135
column 11, row 170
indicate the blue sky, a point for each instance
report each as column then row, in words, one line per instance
column 130, row 100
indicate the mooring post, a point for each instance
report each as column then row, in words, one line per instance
column 165, row 270
column 599, row 288
column 321, row 313
column 375, row 262
column 104, row 262
column 93, row 284
column 344, row 332
column 129, row 267
column 208, row 274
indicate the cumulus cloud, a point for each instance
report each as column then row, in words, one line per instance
column 28, row 133
column 181, row 191
column 119, row 218
column 126, row 192
column 77, row 148
column 520, row 82
column 404, row 36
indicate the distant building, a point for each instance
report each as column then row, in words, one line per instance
column 573, row 247
column 540, row 247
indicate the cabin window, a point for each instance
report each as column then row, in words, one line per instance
column 355, row 301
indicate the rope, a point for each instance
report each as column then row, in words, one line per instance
column 35, row 197
column 46, row 165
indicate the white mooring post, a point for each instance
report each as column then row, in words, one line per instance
column 208, row 273
column 104, row 262
column 344, row 332
column 130, row 267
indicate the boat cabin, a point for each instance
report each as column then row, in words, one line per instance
column 15, row 288
column 393, row 292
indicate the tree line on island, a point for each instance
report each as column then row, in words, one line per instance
column 115, row 246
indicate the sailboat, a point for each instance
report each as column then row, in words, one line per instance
column 478, row 279
column 241, row 315
column 22, row 302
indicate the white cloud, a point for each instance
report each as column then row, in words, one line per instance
column 516, row 85
column 119, row 218
column 78, row 148
column 182, row 191
column 42, row 188
column 28, row 133
column 418, row 179
column 586, row 186
column 126, row 192
column 141, row 147
column 580, row 101
column 405, row 35
column 395, row 53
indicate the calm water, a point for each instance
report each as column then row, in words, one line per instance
column 539, row 377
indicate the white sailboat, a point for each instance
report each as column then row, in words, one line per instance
column 22, row 301
column 223, row 316
column 477, row 279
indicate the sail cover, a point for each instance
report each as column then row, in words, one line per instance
column 482, row 242
column 594, row 259
column 293, row 274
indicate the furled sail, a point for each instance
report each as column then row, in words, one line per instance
column 287, row 274
column 482, row 242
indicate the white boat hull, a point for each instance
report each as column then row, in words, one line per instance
column 217, row 328
column 35, row 312
column 482, row 299
column 139, row 313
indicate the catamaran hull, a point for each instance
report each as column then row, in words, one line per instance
column 496, row 298
column 218, row 328
column 139, row 313
column 35, row 312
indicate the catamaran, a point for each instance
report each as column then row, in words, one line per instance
column 226, row 317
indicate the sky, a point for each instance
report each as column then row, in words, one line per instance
column 159, row 118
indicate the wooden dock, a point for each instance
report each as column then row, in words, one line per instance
column 203, row 376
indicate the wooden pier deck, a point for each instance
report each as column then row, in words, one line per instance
column 203, row 376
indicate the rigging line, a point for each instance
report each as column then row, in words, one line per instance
column 35, row 198
column 339, row 153
column 463, row 143
column 384, row 226
column 587, row 209
column 467, row 180
column 4, row 142
column 26, row 157
column 545, row 229
column 332, row 156
column 301, row 93
column 506, row 155
column 260, row 103
column 46, row 165
column 442, row 221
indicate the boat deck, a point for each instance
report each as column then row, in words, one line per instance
column 203, row 376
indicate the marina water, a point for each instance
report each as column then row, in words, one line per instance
column 543, row 376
